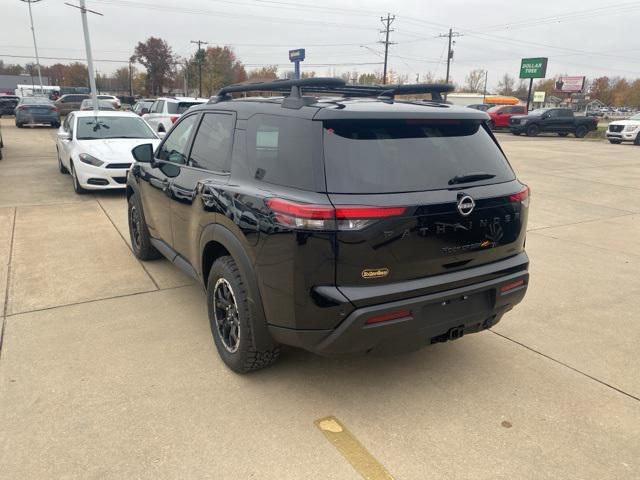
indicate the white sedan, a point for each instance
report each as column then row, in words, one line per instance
column 96, row 149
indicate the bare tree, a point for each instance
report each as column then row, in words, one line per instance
column 474, row 82
column 506, row 85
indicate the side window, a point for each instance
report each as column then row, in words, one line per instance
column 212, row 145
column 160, row 106
column 65, row 125
column 175, row 146
column 280, row 151
column 566, row 113
column 153, row 107
column 554, row 113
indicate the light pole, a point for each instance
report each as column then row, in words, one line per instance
column 35, row 45
column 87, row 45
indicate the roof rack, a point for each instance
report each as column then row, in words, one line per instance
column 330, row 86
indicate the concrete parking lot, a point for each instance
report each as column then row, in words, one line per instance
column 108, row 369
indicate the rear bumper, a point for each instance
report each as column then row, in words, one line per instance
column 38, row 118
column 433, row 318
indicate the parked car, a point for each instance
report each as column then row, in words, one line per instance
column 337, row 226
column 115, row 101
column 141, row 107
column 87, row 104
column 8, row 104
column 96, row 150
column 36, row 110
column 483, row 107
column 625, row 130
column 500, row 114
column 1, row 142
column 552, row 120
column 164, row 112
column 68, row 103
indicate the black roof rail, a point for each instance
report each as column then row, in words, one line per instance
column 331, row 86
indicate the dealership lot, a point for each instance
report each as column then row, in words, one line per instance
column 108, row 370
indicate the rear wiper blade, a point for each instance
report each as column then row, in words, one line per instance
column 470, row 177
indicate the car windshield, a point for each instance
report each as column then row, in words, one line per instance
column 635, row 117
column 104, row 127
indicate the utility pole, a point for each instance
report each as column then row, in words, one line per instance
column 35, row 45
column 386, row 22
column 449, row 35
column 484, row 92
column 200, row 60
column 87, row 45
column 130, row 79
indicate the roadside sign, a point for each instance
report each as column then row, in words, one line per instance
column 570, row 84
column 297, row 55
column 533, row 67
column 538, row 97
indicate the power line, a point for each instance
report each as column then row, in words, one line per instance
column 386, row 22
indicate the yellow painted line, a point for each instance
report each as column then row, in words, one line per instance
column 352, row 450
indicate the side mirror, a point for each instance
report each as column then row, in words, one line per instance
column 161, row 134
column 143, row 153
column 64, row 135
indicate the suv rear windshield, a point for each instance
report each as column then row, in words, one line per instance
column 392, row 156
column 180, row 107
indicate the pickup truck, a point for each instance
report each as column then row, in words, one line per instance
column 554, row 120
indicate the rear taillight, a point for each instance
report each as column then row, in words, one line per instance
column 328, row 217
column 522, row 197
column 174, row 119
column 387, row 317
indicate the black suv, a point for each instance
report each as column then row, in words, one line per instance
column 350, row 222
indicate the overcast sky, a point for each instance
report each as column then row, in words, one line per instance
column 580, row 37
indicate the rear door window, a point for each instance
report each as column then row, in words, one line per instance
column 392, row 156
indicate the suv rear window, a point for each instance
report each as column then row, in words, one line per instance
column 180, row 107
column 392, row 156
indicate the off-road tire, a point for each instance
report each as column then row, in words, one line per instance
column 581, row 132
column 245, row 358
column 533, row 130
column 139, row 234
column 76, row 184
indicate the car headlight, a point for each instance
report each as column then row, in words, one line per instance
column 523, row 121
column 90, row 160
column 631, row 128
